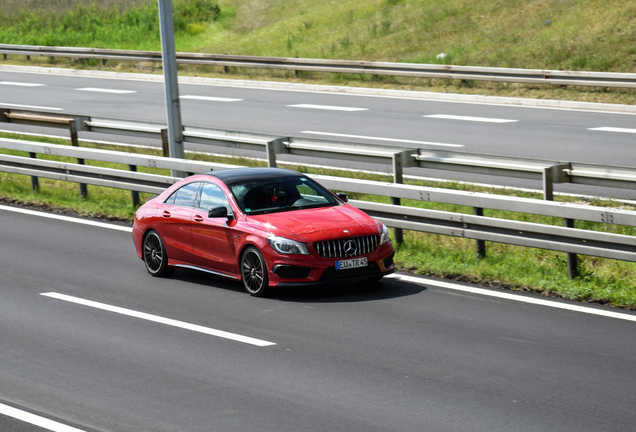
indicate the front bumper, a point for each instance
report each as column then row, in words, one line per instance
column 301, row 273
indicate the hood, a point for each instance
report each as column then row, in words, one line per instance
column 311, row 221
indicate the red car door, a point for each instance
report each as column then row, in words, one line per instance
column 175, row 230
column 213, row 237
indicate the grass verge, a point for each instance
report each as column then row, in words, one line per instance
column 601, row 280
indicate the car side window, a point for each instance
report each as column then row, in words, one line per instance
column 213, row 196
column 184, row 196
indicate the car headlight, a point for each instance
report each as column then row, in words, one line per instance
column 384, row 233
column 287, row 247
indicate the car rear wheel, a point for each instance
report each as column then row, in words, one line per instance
column 254, row 272
column 155, row 256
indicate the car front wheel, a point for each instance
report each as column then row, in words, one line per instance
column 155, row 256
column 254, row 272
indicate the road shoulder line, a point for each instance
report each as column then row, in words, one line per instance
column 512, row 296
column 66, row 218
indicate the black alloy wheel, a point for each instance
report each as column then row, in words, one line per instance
column 155, row 256
column 254, row 272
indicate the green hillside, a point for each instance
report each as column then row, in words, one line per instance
column 556, row 34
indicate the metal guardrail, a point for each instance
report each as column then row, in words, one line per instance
column 480, row 228
column 562, row 239
column 412, row 192
column 527, row 76
column 546, row 171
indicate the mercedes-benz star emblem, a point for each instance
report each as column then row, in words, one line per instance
column 350, row 248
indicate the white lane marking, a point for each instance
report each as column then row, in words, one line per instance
column 468, row 118
column 66, row 218
column 36, row 420
column 382, row 139
column 21, row 84
column 510, row 296
column 30, row 106
column 613, row 129
column 102, row 90
column 160, row 320
column 327, row 107
column 211, row 98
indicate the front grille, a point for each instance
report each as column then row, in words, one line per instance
column 347, row 247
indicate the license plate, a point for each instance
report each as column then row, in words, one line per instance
column 352, row 263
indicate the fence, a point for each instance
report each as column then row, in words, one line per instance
column 527, row 76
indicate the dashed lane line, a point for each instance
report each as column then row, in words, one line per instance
column 382, row 139
column 103, row 90
column 36, row 420
column 469, row 118
column 613, row 129
column 20, row 84
column 160, row 320
column 211, row 98
column 327, row 107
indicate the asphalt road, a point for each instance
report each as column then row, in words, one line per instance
column 553, row 134
column 401, row 357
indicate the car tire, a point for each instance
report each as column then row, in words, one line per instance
column 155, row 256
column 254, row 272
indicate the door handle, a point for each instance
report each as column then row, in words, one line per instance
column 198, row 218
column 166, row 214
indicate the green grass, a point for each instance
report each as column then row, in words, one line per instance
column 93, row 26
column 505, row 266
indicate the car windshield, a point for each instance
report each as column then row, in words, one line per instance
column 281, row 194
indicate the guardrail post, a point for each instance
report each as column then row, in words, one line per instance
column 398, row 177
column 272, row 148
column 165, row 144
column 548, row 195
column 35, row 182
column 573, row 259
column 72, row 126
column 271, row 154
column 134, row 194
column 548, row 184
column 480, row 244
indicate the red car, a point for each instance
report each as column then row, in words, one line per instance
column 266, row 227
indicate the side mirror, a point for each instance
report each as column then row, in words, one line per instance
column 343, row 196
column 218, row 212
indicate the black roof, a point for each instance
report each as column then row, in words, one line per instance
column 237, row 175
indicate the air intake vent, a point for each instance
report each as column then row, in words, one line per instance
column 347, row 247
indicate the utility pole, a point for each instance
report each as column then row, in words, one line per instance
column 173, row 107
